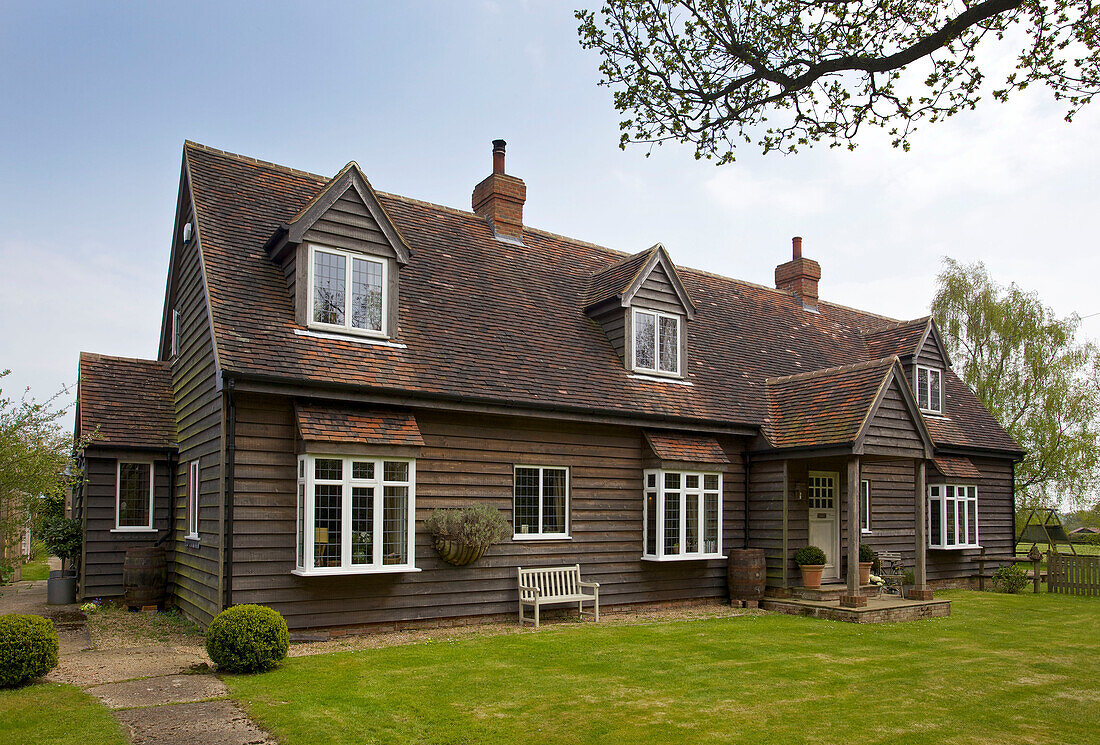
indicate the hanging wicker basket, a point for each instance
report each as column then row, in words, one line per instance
column 458, row 553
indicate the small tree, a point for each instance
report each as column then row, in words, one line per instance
column 1026, row 365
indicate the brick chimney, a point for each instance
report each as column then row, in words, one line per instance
column 500, row 197
column 800, row 276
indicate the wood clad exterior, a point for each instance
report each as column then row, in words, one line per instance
column 465, row 458
column 892, row 430
column 194, row 567
column 612, row 319
column 656, row 293
column 104, row 550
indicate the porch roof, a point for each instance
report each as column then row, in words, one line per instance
column 320, row 423
column 956, row 467
column 688, row 448
column 125, row 402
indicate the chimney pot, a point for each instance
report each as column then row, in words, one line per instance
column 796, row 245
column 498, row 156
column 499, row 198
column 799, row 276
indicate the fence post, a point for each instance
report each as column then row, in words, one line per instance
column 1036, row 556
column 1050, row 571
column 981, row 570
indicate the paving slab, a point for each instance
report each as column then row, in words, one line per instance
column 166, row 689
column 113, row 665
column 220, row 722
column 74, row 640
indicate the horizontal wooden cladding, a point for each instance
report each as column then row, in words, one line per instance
column 893, row 431
column 105, row 551
column 465, row 458
column 657, row 293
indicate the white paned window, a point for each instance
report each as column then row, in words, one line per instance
column 347, row 291
column 134, row 497
column 355, row 515
column 930, row 389
column 952, row 516
column 175, row 332
column 865, row 506
column 682, row 515
column 541, row 502
column 193, row 483
column 656, row 342
column 822, row 491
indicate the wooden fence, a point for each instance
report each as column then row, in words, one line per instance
column 1073, row 575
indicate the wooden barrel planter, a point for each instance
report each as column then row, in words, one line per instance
column 145, row 575
column 746, row 574
column 458, row 553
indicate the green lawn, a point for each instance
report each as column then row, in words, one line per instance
column 36, row 570
column 55, row 714
column 1001, row 669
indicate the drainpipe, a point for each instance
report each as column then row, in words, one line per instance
column 748, row 465
column 230, row 457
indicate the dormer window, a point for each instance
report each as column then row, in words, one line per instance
column 930, row 389
column 347, row 291
column 656, row 342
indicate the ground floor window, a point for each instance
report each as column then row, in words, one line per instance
column 355, row 515
column 865, row 506
column 541, row 507
column 682, row 515
column 952, row 516
column 134, row 498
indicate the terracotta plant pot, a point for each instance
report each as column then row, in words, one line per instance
column 811, row 575
column 458, row 553
column 865, row 572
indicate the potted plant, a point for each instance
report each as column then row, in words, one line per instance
column 811, row 560
column 907, row 582
column 866, row 560
column 63, row 538
column 461, row 536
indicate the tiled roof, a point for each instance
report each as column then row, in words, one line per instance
column 482, row 319
column 615, row 279
column 125, row 402
column 680, row 446
column 822, row 408
column 957, row 467
column 899, row 339
column 367, row 426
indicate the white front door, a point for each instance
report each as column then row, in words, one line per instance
column 824, row 528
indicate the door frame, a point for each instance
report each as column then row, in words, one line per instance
column 835, row 475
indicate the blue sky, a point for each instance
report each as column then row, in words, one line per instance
column 98, row 99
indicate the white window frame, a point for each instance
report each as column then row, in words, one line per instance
column 147, row 528
column 865, row 506
column 175, row 351
column 924, row 400
column 540, row 535
column 306, row 478
column 684, row 492
column 939, row 493
column 349, row 257
column 657, row 316
column 194, row 484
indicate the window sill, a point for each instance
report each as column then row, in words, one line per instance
column 539, row 537
column 134, row 530
column 690, row 557
column 865, row 531
column 653, row 377
column 191, row 537
column 936, row 414
column 954, row 548
column 345, row 571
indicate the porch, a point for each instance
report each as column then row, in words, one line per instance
column 825, row 602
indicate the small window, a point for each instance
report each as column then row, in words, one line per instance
column 347, row 291
column 134, row 498
column 865, row 506
column 930, row 389
column 682, row 515
column 656, row 342
column 355, row 515
column 193, row 484
column 952, row 516
column 175, row 333
column 541, row 502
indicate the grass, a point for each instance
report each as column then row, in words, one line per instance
column 1001, row 669
column 55, row 714
column 37, row 569
column 1083, row 549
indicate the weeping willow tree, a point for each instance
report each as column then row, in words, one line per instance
column 1032, row 372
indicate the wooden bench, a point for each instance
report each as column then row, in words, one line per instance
column 546, row 585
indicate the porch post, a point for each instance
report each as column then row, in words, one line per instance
column 853, row 598
column 920, row 574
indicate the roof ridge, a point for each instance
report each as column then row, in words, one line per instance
column 117, row 358
column 249, row 159
column 854, row 367
column 895, row 326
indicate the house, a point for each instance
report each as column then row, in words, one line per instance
column 335, row 362
column 1084, row 532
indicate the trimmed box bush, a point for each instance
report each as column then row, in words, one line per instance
column 809, row 556
column 28, row 649
column 247, row 639
column 866, row 554
column 1010, row 579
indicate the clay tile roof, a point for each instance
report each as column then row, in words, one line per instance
column 899, row 339
column 957, row 467
column 125, row 402
column 366, row 426
column 825, row 407
column 681, row 446
column 615, row 279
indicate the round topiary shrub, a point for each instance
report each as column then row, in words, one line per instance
column 1010, row 579
column 247, row 639
column 28, row 649
column 866, row 554
column 809, row 556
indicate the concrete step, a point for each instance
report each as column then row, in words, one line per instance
column 831, row 592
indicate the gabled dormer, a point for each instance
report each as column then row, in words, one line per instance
column 643, row 308
column 919, row 346
column 342, row 256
